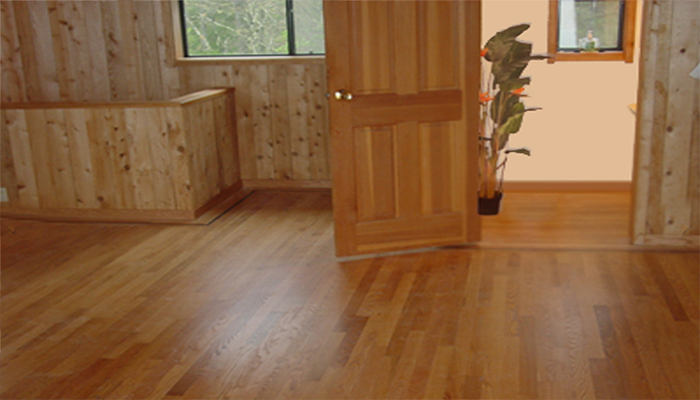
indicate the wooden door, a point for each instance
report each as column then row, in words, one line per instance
column 404, row 123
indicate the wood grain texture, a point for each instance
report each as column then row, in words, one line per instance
column 588, row 219
column 77, row 51
column 255, row 305
column 178, row 156
column 401, row 144
column 667, row 203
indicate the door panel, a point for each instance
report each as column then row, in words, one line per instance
column 438, row 31
column 411, row 231
column 372, row 59
column 436, row 158
column 375, row 184
column 403, row 148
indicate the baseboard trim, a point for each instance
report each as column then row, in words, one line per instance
column 567, row 186
column 99, row 215
column 287, row 184
column 216, row 200
column 690, row 242
column 220, row 204
column 201, row 216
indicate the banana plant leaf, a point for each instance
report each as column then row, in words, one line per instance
column 514, row 84
column 498, row 115
column 500, row 43
column 522, row 150
column 512, row 65
column 511, row 125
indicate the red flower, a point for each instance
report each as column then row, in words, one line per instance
column 484, row 51
column 518, row 91
column 484, row 97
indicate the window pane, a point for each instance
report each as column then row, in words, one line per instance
column 240, row 27
column 308, row 26
column 590, row 25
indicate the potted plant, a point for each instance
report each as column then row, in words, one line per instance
column 502, row 110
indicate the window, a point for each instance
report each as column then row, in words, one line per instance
column 591, row 30
column 224, row 28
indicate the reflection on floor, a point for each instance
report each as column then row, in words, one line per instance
column 560, row 220
column 255, row 306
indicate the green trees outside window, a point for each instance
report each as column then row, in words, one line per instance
column 252, row 27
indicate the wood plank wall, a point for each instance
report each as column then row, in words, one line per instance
column 667, row 159
column 124, row 50
column 119, row 156
column 211, row 147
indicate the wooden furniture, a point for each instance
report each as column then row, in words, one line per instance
column 404, row 122
column 120, row 161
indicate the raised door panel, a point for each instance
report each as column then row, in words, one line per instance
column 375, row 176
column 437, row 40
column 372, row 48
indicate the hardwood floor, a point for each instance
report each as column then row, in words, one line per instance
column 564, row 220
column 255, row 306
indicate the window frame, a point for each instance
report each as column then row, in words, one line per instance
column 628, row 38
column 181, row 57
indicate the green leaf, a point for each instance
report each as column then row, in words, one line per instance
column 496, row 107
column 500, row 43
column 513, row 120
column 512, row 65
column 514, row 84
column 511, row 126
column 498, row 115
column 522, row 150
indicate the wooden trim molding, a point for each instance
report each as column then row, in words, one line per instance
column 263, row 60
column 201, row 95
column 189, row 98
column 567, row 186
column 690, row 242
column 99, row 215
column 201, row 216
column 628, row 33
column 97, row 104
column 603, row 56
column 552, row 30
column 225, row 194
column 287, row 184
column 629, row 30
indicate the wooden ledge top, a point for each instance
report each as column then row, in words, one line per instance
column 189, row 98
column 201, row 95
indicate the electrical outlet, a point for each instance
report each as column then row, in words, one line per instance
column 3, row 195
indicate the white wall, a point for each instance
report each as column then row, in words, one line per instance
column 585, row 131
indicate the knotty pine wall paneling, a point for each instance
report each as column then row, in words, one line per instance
column 176, row 157
column 667, row 159
column 124, row 50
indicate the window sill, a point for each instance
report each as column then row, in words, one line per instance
column 603, row 56
column 184, row 61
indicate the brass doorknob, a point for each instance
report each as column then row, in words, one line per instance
column 342, row 94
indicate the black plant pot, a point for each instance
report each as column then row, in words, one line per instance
column 490, row 206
